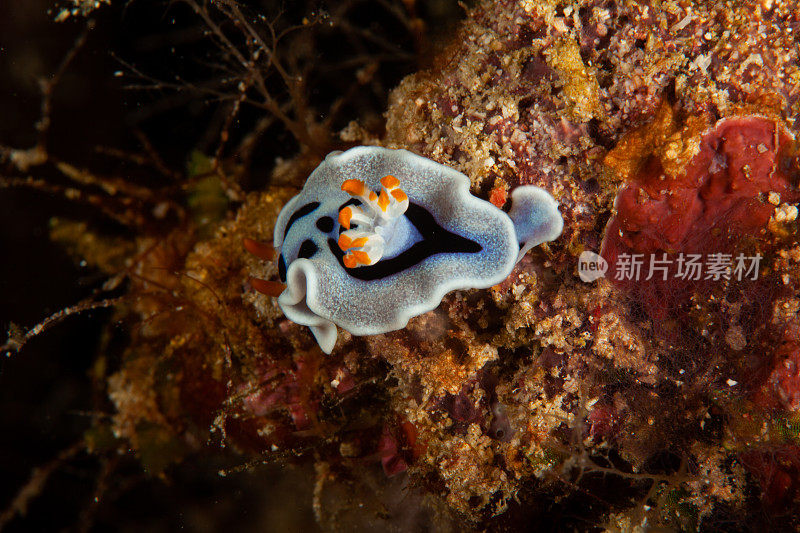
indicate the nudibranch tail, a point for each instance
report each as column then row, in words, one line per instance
column 535, row 216
column 363, row 242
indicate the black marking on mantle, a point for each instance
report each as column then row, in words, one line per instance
column 282, row 268
column 307, row 249
column 325, row 224
column 352, row 201
column 435, row 240
column 297, row 215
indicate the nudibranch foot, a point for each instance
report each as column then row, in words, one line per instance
column 378, row 236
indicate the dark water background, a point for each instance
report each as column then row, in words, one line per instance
column 46, row 397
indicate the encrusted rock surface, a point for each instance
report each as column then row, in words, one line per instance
column 543, row 395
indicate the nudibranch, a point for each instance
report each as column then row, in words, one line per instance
column 377, row 236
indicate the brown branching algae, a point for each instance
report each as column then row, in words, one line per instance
column 663, row 394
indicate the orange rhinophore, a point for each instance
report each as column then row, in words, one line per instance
column 354, row 187
column 269, row 288
column 349, row 261
column 399, row 195
column 362, row 257
column 344, row 217
column 263, row 251
column 390, row 182
column 383, row 200
column 365, row 222
column 345, row 243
